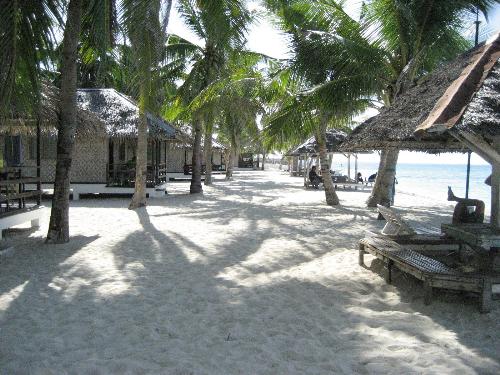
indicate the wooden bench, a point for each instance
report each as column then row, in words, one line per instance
column 32, row 214
column 350, row 185
column 432, row 272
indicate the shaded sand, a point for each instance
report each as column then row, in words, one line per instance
column 256, row 276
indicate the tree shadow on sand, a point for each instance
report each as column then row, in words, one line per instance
column 163, row 302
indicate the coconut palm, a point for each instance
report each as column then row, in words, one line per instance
column 318, row 97
column 221, row 26
column 389, row 47
column 236, row 99
column 145, row 23
column 59, row 217
column 95, row 16
column 27, row 39
column 302, row 113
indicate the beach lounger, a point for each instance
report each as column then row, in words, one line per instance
column 432, row 272
column 396, row 226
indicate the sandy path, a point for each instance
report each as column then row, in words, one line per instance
column 257, row 276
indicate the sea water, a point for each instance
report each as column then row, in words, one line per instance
column 431, row 181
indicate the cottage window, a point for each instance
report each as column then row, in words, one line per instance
column 13, row 151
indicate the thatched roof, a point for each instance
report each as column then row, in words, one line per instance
column 471, row 102
column 100, row 112
column 120, row 114
column 395, row 127
column 482, row 115
column 48, row 116
column 333, row 140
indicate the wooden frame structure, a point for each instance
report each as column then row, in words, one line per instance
column 459, row 107
column 432, row 272
column 18, row 204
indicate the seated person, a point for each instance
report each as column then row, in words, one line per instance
column 372, row 177
column 314, row 178
column 359, row 178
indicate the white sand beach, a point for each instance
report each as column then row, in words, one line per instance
column 255, row 276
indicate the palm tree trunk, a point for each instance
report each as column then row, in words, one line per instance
column 207, row 149
column 331, row 196
column 235, row 157
column 229, row 163
column 59, row 217
column 141, row 163
column 196, row 161
column 384, row 184
column 263, row 159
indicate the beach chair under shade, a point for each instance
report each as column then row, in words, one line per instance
column 432, row 272
column 397, row 227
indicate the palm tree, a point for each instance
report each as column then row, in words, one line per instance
column 147, row 34
column 59, row 216
column 236, row 99
column 417, row 36
column 301, row 115
column 390, row 46
column 27, row 39
column 318, row 96
column 78, row 12
column 221, row 26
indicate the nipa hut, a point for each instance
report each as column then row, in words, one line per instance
column 302, row 157
column 394, row 127
column 180, row 155
column 455, row 108
column 469, row 111
column 105, row 145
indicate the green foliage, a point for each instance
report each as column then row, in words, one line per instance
column 344, row 62
column 27, row 41
column 221, row 25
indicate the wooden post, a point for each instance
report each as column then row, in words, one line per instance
column 495, row 189
column 38, row 162
column 349, row 166
column 361, row 256
column 165, row 160
column 495, row 196
column 356, row 167
column 306, row 171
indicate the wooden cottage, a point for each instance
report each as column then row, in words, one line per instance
column 180, row 155
column 105, row 146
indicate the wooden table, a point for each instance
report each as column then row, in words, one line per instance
column 481, row 236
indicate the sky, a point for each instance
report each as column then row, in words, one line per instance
column 265, row 37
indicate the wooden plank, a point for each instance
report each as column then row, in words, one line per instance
column 27, row 180
column 27, row 194
column 477, row 235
